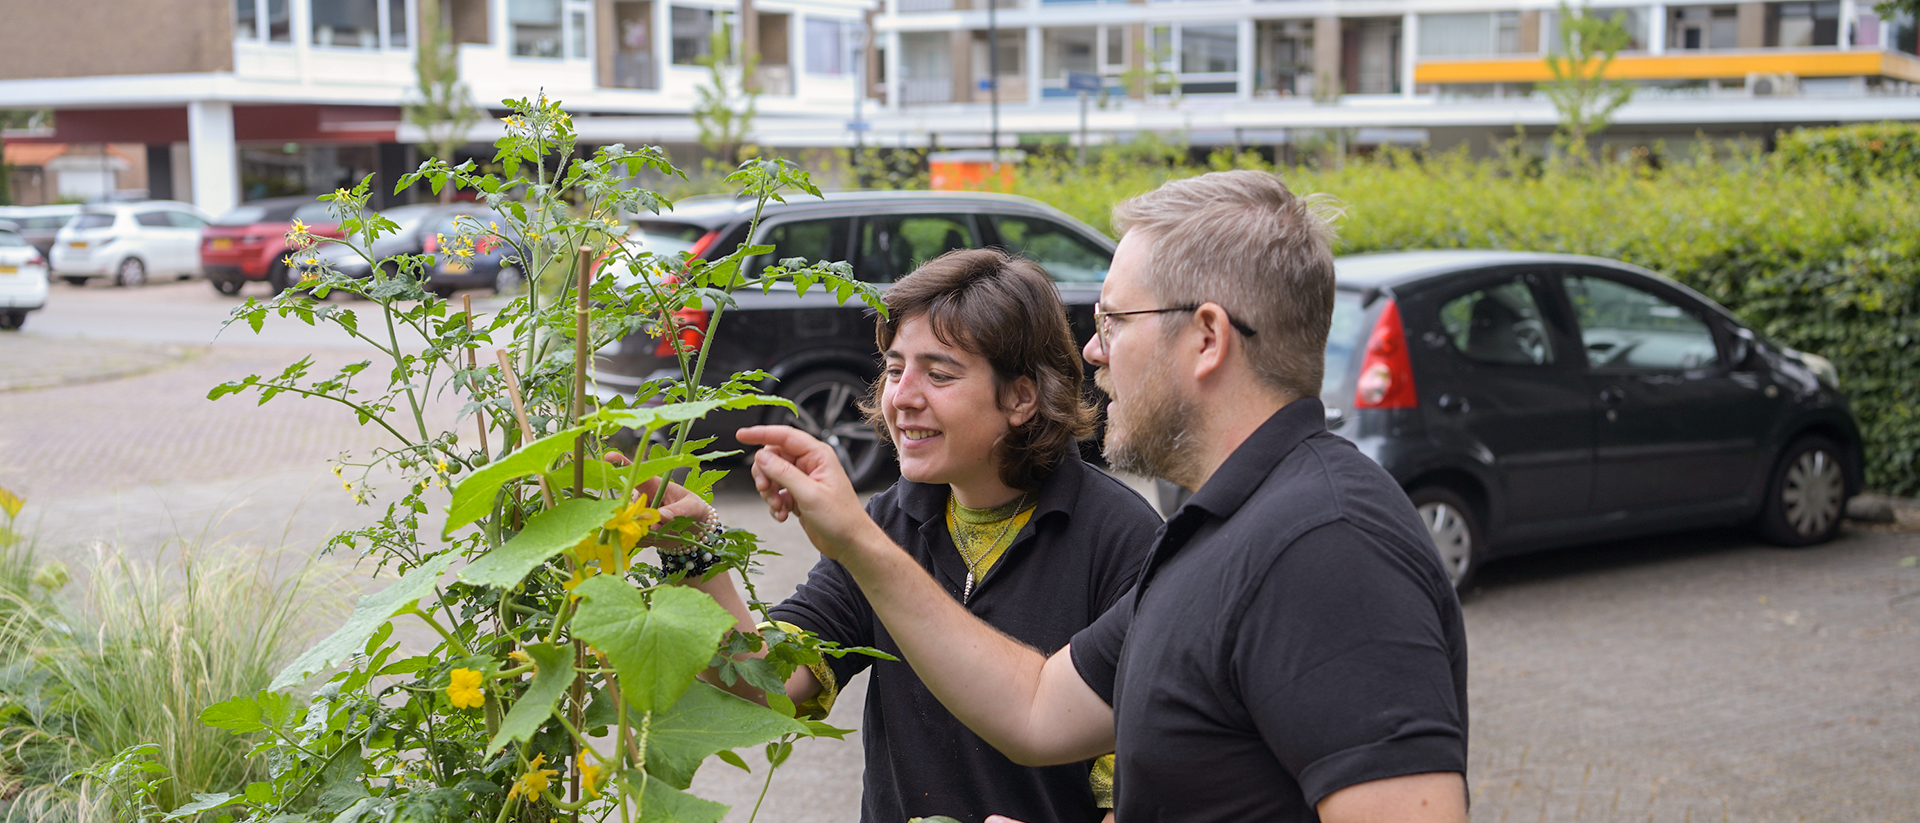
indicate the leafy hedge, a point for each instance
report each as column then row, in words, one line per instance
column 1821, row 263
column 1857, row 152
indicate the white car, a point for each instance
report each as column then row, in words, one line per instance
column 23, row 278
column 130, row 242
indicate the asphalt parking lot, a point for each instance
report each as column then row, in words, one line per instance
column 1692, row 677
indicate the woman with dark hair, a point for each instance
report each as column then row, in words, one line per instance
column 981, row 399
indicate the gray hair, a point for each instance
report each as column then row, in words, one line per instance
column 1245, row 241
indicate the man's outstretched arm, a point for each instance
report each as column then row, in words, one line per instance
column 1035, row 709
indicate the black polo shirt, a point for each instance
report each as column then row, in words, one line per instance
column 1078, row 553
column 1293, row 634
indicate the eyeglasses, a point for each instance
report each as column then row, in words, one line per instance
column 1103, row 322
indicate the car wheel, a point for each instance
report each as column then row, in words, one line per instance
column 829, row 409
column 1455, row 530
column 11, row 320
column 226, row 287
column 278, row 277
column 1806, row 495
column 74, row 281
column 132, row 273
column 508, row 281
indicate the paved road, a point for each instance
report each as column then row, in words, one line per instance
column 1690, row 678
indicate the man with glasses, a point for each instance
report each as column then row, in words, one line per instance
column 1292, row 649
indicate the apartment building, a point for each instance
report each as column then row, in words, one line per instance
column 1440, row 71
column 240, row 99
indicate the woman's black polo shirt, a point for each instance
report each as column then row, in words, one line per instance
column 1293, row 634
column 1078, row 554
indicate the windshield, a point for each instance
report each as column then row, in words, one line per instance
column 242, row 216
column 1345, row 337
column 666, row 239
column 408, row 218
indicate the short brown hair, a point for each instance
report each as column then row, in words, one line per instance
column 1243, row 240
column 1004, row 309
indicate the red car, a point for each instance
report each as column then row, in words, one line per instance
column 250, row 242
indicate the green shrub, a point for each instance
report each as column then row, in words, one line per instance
column 1858, row 152
column 1830, row 269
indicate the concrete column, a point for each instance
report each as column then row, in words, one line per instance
column 1849, row 12
column 1409, row 51
column 1245, row 55
column 1035, row 53
column 960, row 64
column 216, row 158
column 1750, row 25
column 1657, row 29
column 893, row 70
column 1137, row 48
column 1326, row 58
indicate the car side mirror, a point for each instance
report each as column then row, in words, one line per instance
column 1740, row 353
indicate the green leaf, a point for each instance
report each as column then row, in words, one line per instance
column 666, row 804
column 202, row 803
column 373, row 611
column 707, row 720
column 547, row 534
column 647, row 418
column 473, row 497
column 550, row 680
column 259, row 793
column 245, row 715
column 340, row 785
column 658, row 649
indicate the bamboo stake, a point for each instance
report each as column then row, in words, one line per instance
column 520, row 413
column 473, row 362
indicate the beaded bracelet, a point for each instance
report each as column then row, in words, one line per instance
column 694, row 558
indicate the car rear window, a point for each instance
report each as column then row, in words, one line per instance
column 8, row 238
column 315, row 212
column 242, row 216
column 51, row 221
column 665, row 238
column 1067, row 257
column 92, row 220
column 1347, row 335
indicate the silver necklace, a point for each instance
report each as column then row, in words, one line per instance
column 952, row 509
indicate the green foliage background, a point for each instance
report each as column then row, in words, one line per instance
column 1814, row 246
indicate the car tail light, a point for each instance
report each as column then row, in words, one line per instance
column 35, row 259
column 252, row 239
column 700, row 247
column 430, row 245
column 485, row 244
column 1386, row 374
column 691, row 325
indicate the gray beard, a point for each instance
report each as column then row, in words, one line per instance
column 1160, row 439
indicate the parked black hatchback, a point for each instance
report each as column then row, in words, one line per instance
column 820, row 353
column 1532, row 401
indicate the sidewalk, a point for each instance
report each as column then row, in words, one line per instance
column 31, row 362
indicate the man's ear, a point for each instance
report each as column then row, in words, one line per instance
column 1020, row 400
column 1216, row 332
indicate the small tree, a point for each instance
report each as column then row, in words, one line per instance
column 728, row 100
column 445, row 110
column 1582, row 94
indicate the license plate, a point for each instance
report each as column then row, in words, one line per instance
column 222, row 243
column 455, row 267
column 77, row 244
column 9, row 269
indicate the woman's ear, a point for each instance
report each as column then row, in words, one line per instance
column 1020, row 400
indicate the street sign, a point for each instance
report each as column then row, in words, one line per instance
column 1082, row 81
column 986, row 83
column 859, row 125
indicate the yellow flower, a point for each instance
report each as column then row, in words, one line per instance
column 359, row 500
column 344, row 483
column 440, row 465
column 580, row 575
column 521, row 655
column 311, row 261
column 464, row 690
column 336, row 471
column 633, row 523
column 299, row 227
column 590, row 780
column 534, row 781
column 287, row 260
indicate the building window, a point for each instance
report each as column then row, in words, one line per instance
column 266, row 20
column 1469, row 35
column 633, row 45
column 360, row 24
column 1283, row 57
column 1209, row 49
column 1065, row 50
column 1803, row 25
column 1370, row 55
column 833, row 46
column 926, row 68
column 1117, row 47
column 692, row 31
column 1701, row 27
column 577, row 34
column 536, row 27
column 1634, row 20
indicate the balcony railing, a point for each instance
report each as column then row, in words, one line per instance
column 925, row 91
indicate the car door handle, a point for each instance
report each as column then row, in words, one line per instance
column 1454, row 403
column 1612, row 397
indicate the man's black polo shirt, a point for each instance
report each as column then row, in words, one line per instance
column 1079, row 552
column 1293, row 634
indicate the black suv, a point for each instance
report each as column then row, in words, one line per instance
column 820, row 353
column 1531, row 401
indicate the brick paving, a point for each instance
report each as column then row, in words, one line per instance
column 1699, row 677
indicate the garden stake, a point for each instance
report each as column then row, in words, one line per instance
column 520, row 413
column 582, row 260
